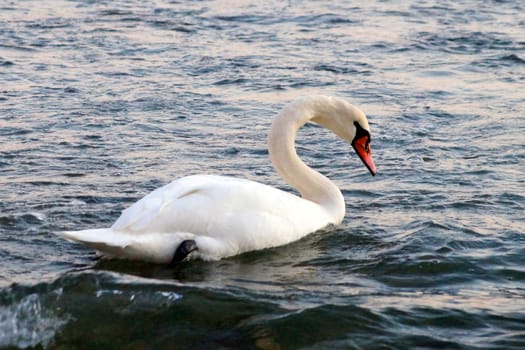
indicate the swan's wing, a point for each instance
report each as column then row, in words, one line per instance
column 220, row 207
column 149, row 213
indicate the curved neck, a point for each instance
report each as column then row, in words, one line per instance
column 281, row 146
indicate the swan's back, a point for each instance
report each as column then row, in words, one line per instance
column 244, row 214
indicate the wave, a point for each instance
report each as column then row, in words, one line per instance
column 30, row 320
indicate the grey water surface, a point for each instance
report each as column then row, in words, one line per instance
column 104, row 101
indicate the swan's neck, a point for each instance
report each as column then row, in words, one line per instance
column 311, row 185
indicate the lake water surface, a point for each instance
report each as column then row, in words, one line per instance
column 104, row 101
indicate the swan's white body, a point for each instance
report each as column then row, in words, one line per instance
column 226, row 216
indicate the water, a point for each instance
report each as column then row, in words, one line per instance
column 102, row 102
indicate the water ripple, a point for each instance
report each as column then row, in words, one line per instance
column 102, row 102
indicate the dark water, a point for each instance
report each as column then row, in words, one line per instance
column 102, row 101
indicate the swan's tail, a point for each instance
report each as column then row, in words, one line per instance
column 152, row 247
column 105, row 240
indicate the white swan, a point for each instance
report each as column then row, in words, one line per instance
column 212, row 217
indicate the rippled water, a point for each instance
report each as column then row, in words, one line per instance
column 103, row 101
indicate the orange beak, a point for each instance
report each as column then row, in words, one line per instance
column 362, row 148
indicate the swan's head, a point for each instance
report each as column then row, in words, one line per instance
column 349, row 123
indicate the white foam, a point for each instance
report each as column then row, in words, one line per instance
column 28, row 323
